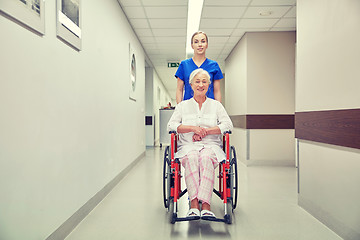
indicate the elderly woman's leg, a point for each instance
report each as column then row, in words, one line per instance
column 191, row 164
column 208, row 163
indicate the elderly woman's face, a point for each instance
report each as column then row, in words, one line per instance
column 200, row 84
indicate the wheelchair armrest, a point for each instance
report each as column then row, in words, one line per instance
column 229, row 132
column 170, row 132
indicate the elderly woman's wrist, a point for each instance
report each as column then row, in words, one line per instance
column 193, row 129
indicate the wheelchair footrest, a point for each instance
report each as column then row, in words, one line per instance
column 187, row 219
column 213, row 219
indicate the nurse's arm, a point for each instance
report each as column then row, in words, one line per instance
column 179, row 90
column 217, row 90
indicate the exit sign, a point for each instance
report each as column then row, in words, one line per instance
column 173, row 64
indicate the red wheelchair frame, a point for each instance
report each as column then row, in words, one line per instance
column 227, row 181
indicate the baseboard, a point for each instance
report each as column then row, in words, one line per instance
column 69, row 225
column 328, row 220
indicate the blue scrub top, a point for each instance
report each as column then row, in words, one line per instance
column 187, row 66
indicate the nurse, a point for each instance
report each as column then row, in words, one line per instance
column 199, row 42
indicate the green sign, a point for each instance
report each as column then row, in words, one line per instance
column 173, row 64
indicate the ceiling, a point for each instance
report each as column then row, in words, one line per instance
column 161, row 28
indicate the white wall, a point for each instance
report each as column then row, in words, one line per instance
column 149, row 105
column 67, row 125
column 260, row 79
column 236, row 79
column 328, row 55
column 328, row 79
column 271, row 73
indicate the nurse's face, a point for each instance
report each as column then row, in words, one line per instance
column 200, row 84
column 199, row 44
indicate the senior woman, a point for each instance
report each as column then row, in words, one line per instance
column 200, row 121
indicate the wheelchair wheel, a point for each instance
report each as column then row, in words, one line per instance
column 167, row 177
column 228, row 216
column 233, row 178
column 172, row 214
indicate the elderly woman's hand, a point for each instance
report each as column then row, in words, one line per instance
column 196, row 138
column 200, row 131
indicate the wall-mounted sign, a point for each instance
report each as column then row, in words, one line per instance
column 173, row 64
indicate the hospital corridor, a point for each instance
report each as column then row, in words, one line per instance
column 267, row 209
column 186, row 119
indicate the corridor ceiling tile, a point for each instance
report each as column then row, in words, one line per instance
column 166, row 12
column 139, row 23
column 126, row 3
column 168, row 23
column 222, row 12
column 218, row 23
column 169, row 32
column 219, row 40
column 286, row 22
column 150, row 46
column 215, row 49
column 235, row 39
column 144, row 32
column 217, row 31
column 237, row 32
column 170, row 39
column 135, row 12
column 273, row 2
column 212, row 55
column 254, row 29
column 257, row 23
column 276, row 12
column 226, row 3
column 164, row 3
column 152, row 51
column 147, row 40
column 159, row 61
column 162, row 59
column 167, row 52
column 291, row 13
column 171, row 46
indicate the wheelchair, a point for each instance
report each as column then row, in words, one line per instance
column 228, row 181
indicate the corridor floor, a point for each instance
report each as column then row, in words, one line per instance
column 267, row 209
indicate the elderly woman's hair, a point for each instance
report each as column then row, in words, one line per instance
column 199, row 71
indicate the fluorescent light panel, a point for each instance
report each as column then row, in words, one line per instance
column 193, row 22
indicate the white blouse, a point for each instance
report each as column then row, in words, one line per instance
column 211, row 114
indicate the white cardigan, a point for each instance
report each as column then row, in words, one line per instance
column 211, row 114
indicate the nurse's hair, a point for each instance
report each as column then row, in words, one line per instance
column 197, row 33
column 199, row 71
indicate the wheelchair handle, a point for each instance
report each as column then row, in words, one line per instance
column 229, row 132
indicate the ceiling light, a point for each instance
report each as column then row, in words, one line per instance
column 193, row 22
column 265, row 13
